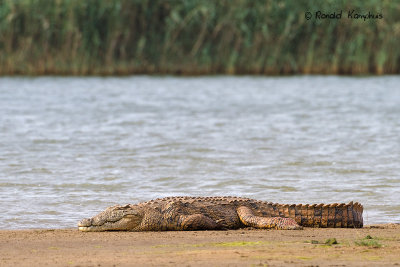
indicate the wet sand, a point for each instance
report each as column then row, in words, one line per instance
column 369, row 246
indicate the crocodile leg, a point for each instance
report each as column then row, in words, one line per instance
column 249, row 219
column 178, row 219
column 155, row 221
column 197, row 222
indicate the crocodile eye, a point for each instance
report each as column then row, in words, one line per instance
column 131, row 212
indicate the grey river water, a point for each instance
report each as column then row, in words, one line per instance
column 70, row 147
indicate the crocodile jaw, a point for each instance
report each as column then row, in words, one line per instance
column 86, row 226
column 127, row 223
column 92, row 229
column 85, row 229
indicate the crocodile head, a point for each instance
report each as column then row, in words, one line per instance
column 116, row 218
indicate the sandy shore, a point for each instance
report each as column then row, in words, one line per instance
column 199, row 248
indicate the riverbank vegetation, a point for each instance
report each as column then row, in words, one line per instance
column 120, row 37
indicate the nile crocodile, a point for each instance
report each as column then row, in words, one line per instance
column 213, row 213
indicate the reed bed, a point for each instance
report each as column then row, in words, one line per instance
column 193, row 37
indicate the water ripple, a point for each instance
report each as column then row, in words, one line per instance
column 69, row 147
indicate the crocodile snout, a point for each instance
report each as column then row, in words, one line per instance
column 85, row 223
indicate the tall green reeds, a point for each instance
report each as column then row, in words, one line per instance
column 83, row 37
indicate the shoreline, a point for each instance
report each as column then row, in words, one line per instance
column 377, row 244
column 367, row 226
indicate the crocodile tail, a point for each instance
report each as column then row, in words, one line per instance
column 323, row 215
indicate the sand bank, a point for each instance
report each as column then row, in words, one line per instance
column 356, row 247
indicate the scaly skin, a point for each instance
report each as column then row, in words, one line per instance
column 214, row 213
